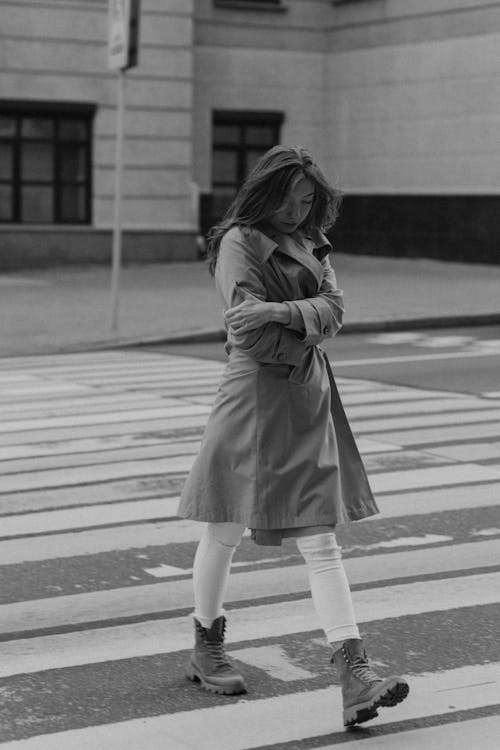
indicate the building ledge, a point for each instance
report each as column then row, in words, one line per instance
column 251, row 5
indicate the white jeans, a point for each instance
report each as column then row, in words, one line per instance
column 329, row 586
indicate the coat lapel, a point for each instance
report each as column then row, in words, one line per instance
column 302, row 252
column 308, row 250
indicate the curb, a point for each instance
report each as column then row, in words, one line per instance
column 405, row 324
column 214, row 335
column 451, row 321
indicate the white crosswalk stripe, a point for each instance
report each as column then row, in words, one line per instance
column 96, row 567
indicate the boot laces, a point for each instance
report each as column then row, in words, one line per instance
column 218, row 655
column 362, row 670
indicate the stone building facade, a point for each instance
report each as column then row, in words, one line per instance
column 398, row 100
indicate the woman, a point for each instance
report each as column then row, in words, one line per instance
column 278, row 455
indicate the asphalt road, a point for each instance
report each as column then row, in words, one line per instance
column 465, row 360
column 96, row 566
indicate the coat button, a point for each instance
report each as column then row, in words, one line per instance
column 280, row 357
column 326, row 329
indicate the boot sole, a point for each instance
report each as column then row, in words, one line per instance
column 236, row 688
column 392, row 693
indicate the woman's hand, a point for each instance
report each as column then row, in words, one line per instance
column 253, row 313
column 248, row 315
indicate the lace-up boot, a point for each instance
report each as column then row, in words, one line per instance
column 362, row 689
column 209, row 664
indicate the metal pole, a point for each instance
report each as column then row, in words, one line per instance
column 117, row 230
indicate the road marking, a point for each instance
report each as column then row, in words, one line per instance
column 437, row 500
column 135, row 425
column 370, row 445
column 409, row 503
column 124, row 415
column 165, row 532
column 40, row 389
column 166, row 596
column 87, row 517
column 402, row 541
column 41, row 413
column 411, row 358
column 433, row 476
column 467, row 451
column 389, row 427
column 482, row 732
column 74, row 460
column 97, row 473
column 199, row 376
column 102, row 445
column 8, row 280
column 98, row 540
column 16, row 377
column 91, row 646
column 438, row 434
column 90, row 403
column 423, row 406
column 458, row 418
column 77, row 361
column 96, row 493
column 274, row 661
column 438, row 342
column 394, row 338
column 164, row 571
column 151, row 442
column 381, row 482
column 299, row 716
column 66, row 452
column 169, row 571
column 394, row 394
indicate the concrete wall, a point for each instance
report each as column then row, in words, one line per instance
column 57, row 50
column 399, row 100
column 413, row 95
column 258, row 60
column 392, row 95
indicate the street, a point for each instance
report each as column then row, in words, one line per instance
column 460, row 359
column 95, row 566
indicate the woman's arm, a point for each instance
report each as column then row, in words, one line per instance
column 319, row 317
column 253, row 313
column 314, row 318
column 239, row 279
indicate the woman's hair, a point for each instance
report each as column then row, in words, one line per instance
column 264, row 191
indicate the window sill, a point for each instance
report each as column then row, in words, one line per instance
column 251, row 5
column 8, row 227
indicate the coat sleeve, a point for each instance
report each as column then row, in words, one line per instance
column 237, row 266
column 319, row 317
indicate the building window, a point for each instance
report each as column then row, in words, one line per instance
column 239, row 139
column 45, row 163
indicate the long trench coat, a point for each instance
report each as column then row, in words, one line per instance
column 277, row 451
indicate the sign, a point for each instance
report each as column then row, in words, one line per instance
column 123, row 34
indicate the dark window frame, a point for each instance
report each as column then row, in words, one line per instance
column 273, row 6
column 57, row 113
column 244, row 120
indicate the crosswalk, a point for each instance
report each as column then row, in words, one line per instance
column 95, row 569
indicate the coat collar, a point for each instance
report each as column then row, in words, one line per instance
column 315, row 247
column 266, row 241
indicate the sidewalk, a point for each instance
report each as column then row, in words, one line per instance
column 68, row 309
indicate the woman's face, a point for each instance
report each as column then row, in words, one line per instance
column 296, row 206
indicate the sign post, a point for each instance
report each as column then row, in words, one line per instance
column 123, row 38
